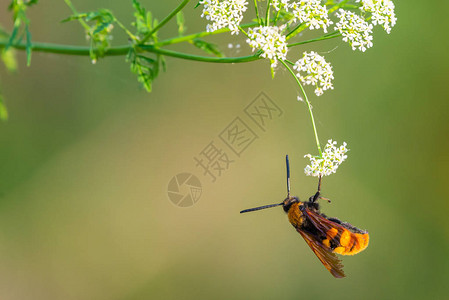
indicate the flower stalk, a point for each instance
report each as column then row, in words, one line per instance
column 309, row 106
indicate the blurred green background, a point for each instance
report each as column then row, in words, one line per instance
column 87, row 155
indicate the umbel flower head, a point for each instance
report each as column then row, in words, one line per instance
column 270, row 40
column 314, row 70
column 333, row 156
column 280, row 4
column 228, row 13
column 354, row 30
column 382, row 12
column 312, row 13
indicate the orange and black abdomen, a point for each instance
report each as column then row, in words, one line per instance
column 342, row 241
column 338, row 237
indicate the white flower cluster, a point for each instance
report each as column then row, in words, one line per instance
column 228, row 13
column 332, row 158
column 280, row 4
column 270, row 40
column 382, row 12
column 312, row 13
column 355, row 30
column 316, row 72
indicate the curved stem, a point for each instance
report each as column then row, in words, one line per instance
column 165, row 20
column 308, row 106
column 171, row 53
column 123, row 27
column 190, row 37
column 123, row 50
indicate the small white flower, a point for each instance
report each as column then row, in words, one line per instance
column 329, row 163
column 312, row 13
column 228, row 13
column 270, row 40
column 355, row 30
column 382, row 12
column 280, row 4
column 314, row 70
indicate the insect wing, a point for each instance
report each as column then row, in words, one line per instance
column 327, row 258
column 339, row 238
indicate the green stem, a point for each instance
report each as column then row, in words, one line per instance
column 123, row 50
column 165, row 20
column 277, row 17
column 244, row 32
column 198, row 35
column 129, row 33
column 267, row 18
column 298, row 29
column 308, row 105
column 321, row 38
column 171, row 53
column 257, row 12
column 67, row 50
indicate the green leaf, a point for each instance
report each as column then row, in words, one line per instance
column 9, row 59
column 99, row 32
column 28, row 45
column 143, row 19
column 163, row 62
column 198, row 4
column 14, row 33
column 31, row 2
column 146, row 68
column 207, row 47
column 101, row 27
column 3, row 110
column 147, row 59
column 138, row 7
column 19, row 8
column 74, row 17
column 101, row 16
column 180, row 21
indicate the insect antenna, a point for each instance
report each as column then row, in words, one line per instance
column 288, row 176
column 278, row 204
column 260, row 207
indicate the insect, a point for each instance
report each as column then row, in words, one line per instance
column 325, row 236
